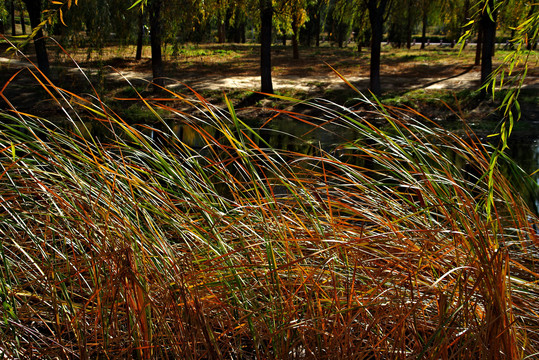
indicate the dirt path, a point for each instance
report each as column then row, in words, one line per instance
column 468, row 78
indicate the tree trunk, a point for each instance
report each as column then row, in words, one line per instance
column 317, row 28
column 12, row 16
column 243, row 39
column 238, row 30
column 424, row 30
column 409, row 25
column 295, row 38
column 479, row 46
column 376, row 17
column 140, row 36
column 154, row 8
column 221, row 32
column 488, row 25
column 266, row 15
column 374, row 84
column 340, row 38
column 34, row 13
column 23, row 25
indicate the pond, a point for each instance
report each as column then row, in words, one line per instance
column 302, row 137
column 525, row 152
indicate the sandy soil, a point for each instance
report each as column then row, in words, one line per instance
column 235, row 67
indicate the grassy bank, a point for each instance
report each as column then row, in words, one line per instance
column 145, row 244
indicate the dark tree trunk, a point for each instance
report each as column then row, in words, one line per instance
column 34, row 13
column 283, row 39
column 488, row 25
column 374, row 84
column 243, row 39
column 266, row 15
column 23, row 25
column 221, row 32
column 140, row 36
column 295, row 39
column 340, row 39
column 376, row 17
column 317, row 29
column 154, row 8
column 306, row 35
column 12, row 16
column 479, row 45
column 409, row 25
column 424, row 30
column 239, row 36
column 238, row 29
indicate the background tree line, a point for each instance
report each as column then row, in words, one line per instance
column 365, row 23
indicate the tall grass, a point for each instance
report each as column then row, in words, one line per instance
column 141, row 245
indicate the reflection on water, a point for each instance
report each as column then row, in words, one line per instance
column 300, row 137
column 526, row 155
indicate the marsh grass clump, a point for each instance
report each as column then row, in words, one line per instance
column 139, row 244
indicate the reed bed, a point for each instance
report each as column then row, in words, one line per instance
column 139, row 244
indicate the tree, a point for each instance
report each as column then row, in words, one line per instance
column 3, row 16
column 425, row 10
column 532, row 34
column 95, row 23
column 526, row 31
column 339, row 17
column 488, row 29
column 12, row 16
column 34, row 8
column 266, row 18
column 23, row 25
column 140, row 35
column 513, row 13
column 228, row 16
column 455, row 18
column 410, row 17
column 187, row 20
column 291, row 16
column 377, row 9
column 362, row 30
column 154, row 9
column 221, row 9
column 299, row 15
column 238, row 22
column 402, row 20
column 313, row 23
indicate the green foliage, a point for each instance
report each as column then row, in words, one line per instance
column 340, row 16
column 513, row 13
column 404, row 16
column 455, row 17
column 96, row 23
column 3, row 12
